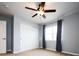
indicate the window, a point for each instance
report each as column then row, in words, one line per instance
column 51, row 32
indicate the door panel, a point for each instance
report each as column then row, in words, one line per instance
column 2, row 36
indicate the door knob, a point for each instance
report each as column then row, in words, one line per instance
column 4, row 38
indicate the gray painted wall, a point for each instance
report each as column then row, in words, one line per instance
column 70, row 34
column 9, row 31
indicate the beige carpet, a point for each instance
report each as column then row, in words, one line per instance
column 37, row 52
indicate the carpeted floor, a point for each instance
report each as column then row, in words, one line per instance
column 36, row 52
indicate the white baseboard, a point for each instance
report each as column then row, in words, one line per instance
column 64, row 52
column 70, row 53
column 15, row 52
column 2, row 52
column 50, row 49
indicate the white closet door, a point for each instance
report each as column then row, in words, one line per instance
column 2, row 36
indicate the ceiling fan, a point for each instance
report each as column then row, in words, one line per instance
column 40, row 10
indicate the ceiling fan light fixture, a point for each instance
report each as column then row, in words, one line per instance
column 40, row 13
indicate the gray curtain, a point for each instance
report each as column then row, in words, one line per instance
column 59, row 31
column 43, row 42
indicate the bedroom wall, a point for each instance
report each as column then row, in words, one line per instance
column 25, row 34
column 70, row 33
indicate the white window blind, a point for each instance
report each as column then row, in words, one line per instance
column 51, row 32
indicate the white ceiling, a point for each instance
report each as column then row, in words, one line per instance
column 18, row 8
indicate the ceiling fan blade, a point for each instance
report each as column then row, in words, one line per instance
column 34, row 15
column 30, row 8
column 49, row 10
column 42, row 4
column 43, row 16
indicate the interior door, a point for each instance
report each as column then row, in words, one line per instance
column 2, row 36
